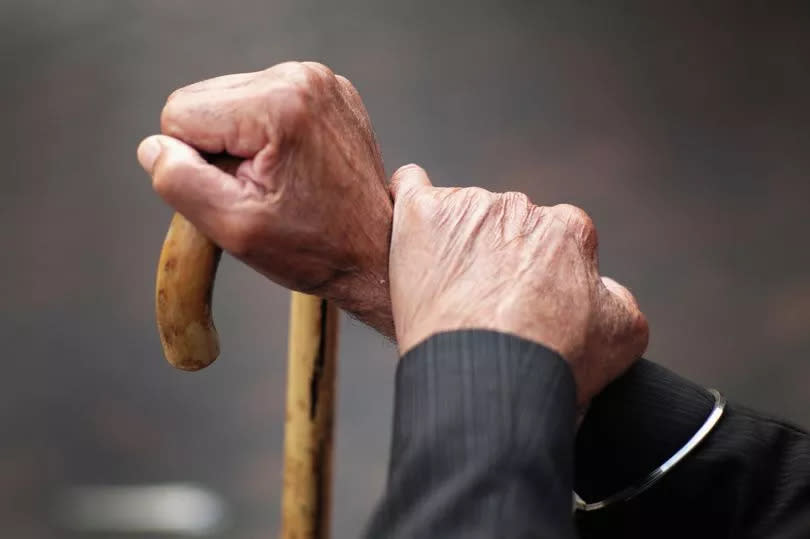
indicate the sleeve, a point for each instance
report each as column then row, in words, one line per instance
column 482, row 442
column 749, row 478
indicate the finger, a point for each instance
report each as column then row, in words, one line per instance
column 621, row 292
column 407, row 179
column 629, row 316
column 232, row 81
column 274, row 107
column 225, row 121
column 202, row 192
column 582, row 226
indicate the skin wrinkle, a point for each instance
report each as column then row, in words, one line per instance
column 307, row 143
column 463, row 265
column 497, row 261
column 332, row 130
column 476, row 213
column 233, row 139
column 262, row 172
column 310, row 144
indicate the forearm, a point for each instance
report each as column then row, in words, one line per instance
column 749, row 476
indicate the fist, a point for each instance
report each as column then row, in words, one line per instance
column 307, row 206
column 468, row 258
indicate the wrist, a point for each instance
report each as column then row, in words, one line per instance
column 634, row 425
column 421, row 328
column 367, row 298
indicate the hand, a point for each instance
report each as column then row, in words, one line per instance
column 468, row 258
column 308, row 206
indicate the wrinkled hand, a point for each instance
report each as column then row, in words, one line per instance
column 468, row 258
column 308, row 206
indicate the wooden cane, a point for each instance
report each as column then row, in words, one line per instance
column 306, row 501
column 184, row 286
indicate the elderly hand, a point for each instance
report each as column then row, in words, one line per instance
column 468, row 258
column 308, row 206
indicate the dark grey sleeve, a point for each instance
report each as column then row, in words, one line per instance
column 482, row 441
column 750, row 478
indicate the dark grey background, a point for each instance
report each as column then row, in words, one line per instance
column 682, row 130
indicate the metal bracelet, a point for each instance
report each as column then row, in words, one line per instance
column 636, row 489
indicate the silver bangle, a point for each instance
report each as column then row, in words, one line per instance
column 634, row 490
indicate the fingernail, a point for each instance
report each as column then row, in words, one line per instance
column 148, row 151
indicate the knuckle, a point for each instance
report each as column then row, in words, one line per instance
column 296, row 101
column 574, row 215
column 476, row 191
column 310, row 76
column 622, row 293
column 641, row 331
column 632, row 301
column 641, row 325
column 346, row 83
column 346, row 87
column 513, row 199
column 636, row 327
column 518, row 211
column 290, row 75
column 405, row 170
column 303, row 86
column 468, row 199
column 319, row 69
column 294, row 104
column 477, row 194
column 284, row 69
column 516, row 197
column 300, row 77
column 578, row 221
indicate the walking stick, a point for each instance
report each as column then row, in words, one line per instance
column 306, row 503
column 185, row 281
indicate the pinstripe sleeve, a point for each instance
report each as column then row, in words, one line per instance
column 482, row 443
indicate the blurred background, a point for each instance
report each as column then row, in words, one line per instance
column 683, row 129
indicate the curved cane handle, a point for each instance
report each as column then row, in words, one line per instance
column 184, row 286
column 185, row 283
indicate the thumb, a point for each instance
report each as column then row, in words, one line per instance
column 187, row 182
column 406, row 179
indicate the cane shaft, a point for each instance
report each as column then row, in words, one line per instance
column 306, row 502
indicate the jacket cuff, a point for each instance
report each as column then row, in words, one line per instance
column 478, row 370
column 484, row 396
column 634, row 425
